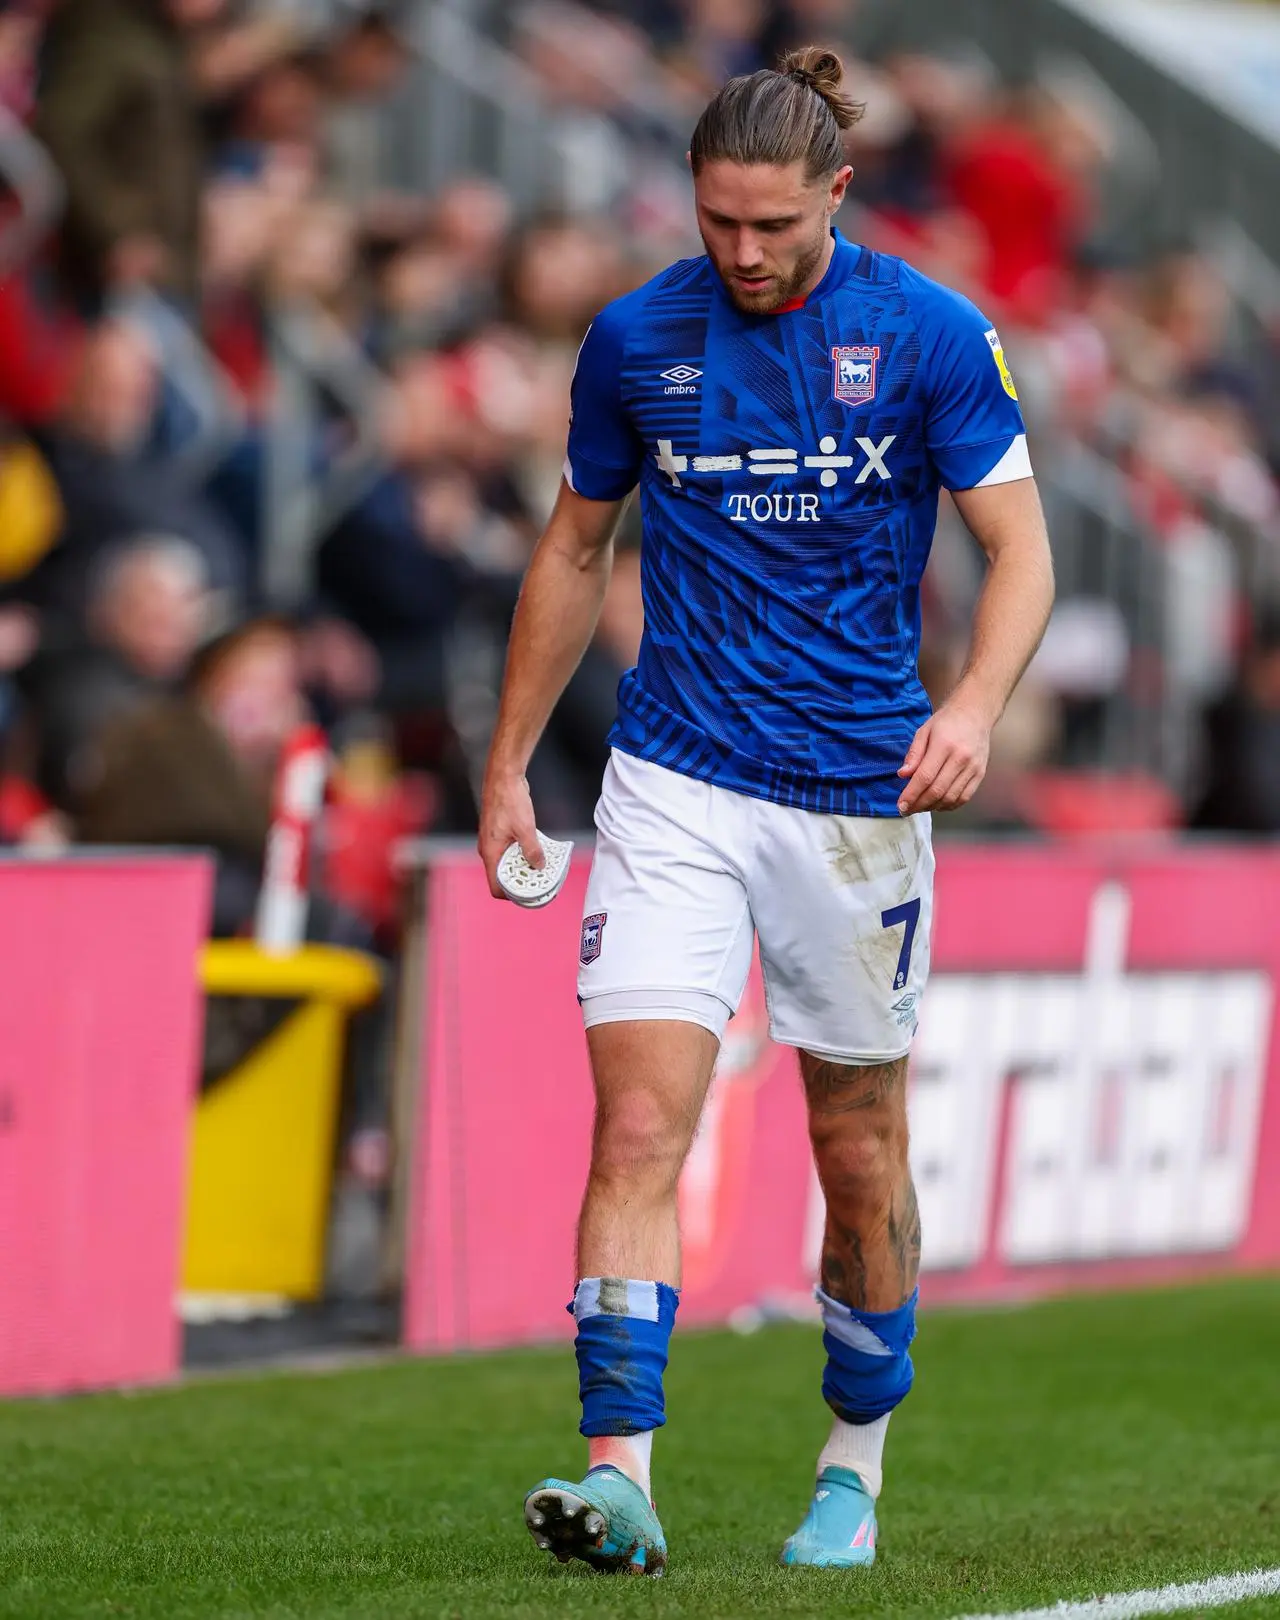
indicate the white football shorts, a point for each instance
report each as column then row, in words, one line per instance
column 686, row 875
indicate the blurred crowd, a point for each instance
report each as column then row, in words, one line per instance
column 276, row 437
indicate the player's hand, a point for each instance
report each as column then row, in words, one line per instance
column 947, row 759
column 506, row 815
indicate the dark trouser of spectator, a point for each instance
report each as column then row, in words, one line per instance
column 568, row 765
column 567, row 768
column 413, row 674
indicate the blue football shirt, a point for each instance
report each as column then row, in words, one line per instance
column 789, row 468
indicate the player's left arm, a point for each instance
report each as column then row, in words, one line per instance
column 977, row 441
column 948, row 757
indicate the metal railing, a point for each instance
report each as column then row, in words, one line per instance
column 471, row 107
column 34, row 184
column 317, row 366
column 1103, row 554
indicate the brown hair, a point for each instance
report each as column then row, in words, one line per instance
column 792, row 114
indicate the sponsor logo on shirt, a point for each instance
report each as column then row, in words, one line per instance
column 997, row 354
column 779, row 461
column 854, row 373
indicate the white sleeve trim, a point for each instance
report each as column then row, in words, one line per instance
column 568, row 470
column 1013, row 465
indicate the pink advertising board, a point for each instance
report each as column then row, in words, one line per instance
column 100, row 1021
column 1095, row 1096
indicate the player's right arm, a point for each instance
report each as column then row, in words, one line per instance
column 555, row 619
column 564, row 588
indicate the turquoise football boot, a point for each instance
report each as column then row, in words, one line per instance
column 839, row 1530
column 606, row 1520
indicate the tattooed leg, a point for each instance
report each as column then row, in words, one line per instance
column 858, row 1126
column 870, row 1257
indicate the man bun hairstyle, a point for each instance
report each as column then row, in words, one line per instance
column 823, row 72
column 795, row 113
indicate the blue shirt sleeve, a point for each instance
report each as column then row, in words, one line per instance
column 973, row 421
column 605, row 454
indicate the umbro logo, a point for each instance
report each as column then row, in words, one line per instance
column 681, row 378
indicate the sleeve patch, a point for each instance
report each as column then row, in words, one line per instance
column 1002, row 365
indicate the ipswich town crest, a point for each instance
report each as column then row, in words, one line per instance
column 853, row 374
column 592, row 928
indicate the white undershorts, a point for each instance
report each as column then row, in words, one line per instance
column 687, row 874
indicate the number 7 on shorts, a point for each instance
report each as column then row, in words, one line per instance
column 909, row 915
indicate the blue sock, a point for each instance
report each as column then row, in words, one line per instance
column 868, row 1369
column 624, row 1328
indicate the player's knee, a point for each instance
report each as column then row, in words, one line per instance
column 859, row 1164
column 638, row 1140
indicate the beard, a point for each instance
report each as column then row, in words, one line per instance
column 782, row 287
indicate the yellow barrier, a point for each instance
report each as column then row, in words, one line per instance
column 262, row 1143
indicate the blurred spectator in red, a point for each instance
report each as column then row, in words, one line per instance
column 1024, row 178
column 39, row 351
column 37, row 342
column 917, row 109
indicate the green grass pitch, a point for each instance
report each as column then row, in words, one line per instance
column 1082, row 1446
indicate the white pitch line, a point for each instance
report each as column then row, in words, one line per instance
column 1209, row 1594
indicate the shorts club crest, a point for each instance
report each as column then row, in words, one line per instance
column 592, row 932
